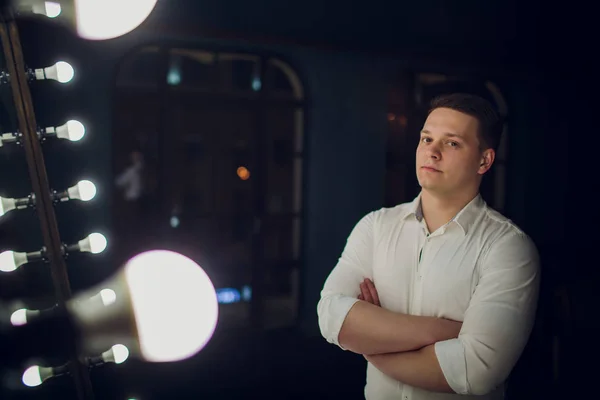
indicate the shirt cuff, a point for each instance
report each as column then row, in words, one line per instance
column 451, row 357
column 338, row 308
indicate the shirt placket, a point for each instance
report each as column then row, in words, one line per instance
column 416, row 301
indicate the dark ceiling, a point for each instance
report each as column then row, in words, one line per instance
column 487, row 29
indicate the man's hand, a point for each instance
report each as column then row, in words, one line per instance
column 368, row 292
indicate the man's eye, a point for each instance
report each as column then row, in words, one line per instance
column 453, row 144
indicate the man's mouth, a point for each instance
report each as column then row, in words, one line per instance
column 432, row 169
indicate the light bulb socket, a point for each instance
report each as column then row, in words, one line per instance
column 31, row 74
column 60, row 197
column 61, row 370
column 25, row 202
column 17, row 137
column 68, row 249
column 72, row 248
column 37, row 255
column 53, row 372
column 37, row 74
column 4, row 77
column 32, row 315
column 44, row 133
column 95, row 361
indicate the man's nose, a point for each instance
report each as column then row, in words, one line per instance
column 433, row 151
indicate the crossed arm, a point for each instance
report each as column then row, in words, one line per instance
column 408, row 354
column 431, row 353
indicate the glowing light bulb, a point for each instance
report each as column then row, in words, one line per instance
column 108, row 296
column 11, row 260
column 19, row 317
column 52, row 9
column 107, row 19
column 95, row 243
column 62, row 72
column 117, row 354
column 73, row 130
column 176, row 287
column 32, row 376
column 84, row 190
column 165, row 310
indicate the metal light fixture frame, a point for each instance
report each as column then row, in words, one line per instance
column 19, row 83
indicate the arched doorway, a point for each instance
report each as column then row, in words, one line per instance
column 221, row 136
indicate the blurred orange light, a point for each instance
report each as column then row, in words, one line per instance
column 243, row 173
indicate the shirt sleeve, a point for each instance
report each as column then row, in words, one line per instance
column 342, row 287
column 498, row 321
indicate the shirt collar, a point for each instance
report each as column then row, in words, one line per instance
column 414, row 209
column 469, row 214
column 465, row 217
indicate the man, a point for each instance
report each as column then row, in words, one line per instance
column 438, row 294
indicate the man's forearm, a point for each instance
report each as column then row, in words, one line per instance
column 418, row 368
column 369, row 329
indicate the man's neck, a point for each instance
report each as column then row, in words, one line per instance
column 439, row 210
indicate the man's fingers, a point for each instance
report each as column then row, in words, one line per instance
column 373, row 292
column 360, row 297
column 366, row 293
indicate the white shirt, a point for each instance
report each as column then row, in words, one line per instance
column 479, row 269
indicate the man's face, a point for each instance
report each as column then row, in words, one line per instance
column 449, row 158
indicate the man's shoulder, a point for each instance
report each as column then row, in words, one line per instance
column 500, row 223
column 394, row 212
column 384, row 216
column 505, row 234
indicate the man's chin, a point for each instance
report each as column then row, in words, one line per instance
column 427, row 184
column 433, row 189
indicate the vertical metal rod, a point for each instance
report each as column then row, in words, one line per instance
column 39, row 179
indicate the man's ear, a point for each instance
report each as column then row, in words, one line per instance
column 487, row 159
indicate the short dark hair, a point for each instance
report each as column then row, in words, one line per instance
column 490, row 121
